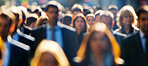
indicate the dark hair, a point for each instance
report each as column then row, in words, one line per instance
column 84, row 19
column 143, row 9
column 6, row 17
column 30, row 20
column 51, row 5
column 67, row 19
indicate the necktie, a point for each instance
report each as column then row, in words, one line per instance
column 53, row 34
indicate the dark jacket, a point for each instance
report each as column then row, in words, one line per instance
column 70, row 44
column 132, row 51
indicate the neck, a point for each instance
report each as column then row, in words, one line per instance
column 52, row 25
column 99, row 58
column 78, row 32
column 127, row 28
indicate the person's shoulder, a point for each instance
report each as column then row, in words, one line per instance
column 66, row 27
column 117, row 33
column 17, row 45
column 117, row 30
column 130, row 40
column 133, row 36
column 39, row 28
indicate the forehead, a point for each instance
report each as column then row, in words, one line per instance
column 52, row 9
column 79, row 18
column 126, row 13
column 4, row 20
column 105, row 18
column 90, row 17
column 98, row 34
column 143, row 15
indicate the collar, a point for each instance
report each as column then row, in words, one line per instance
column 141, row 34
column 49, row 27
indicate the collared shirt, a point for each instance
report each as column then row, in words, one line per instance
column 58, row 34
column 6, row 54
column 143, row 40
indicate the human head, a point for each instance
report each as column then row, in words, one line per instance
column 143, row 18
column 37, row 10
column 52, row 14
column 67, row 19
column 47, row 53
column 113, row 9
column 97, row 15
column 80, row 22
column 32, row 20
column 76, row 9
column 42, row 20
column 96, row 8
column 107, row 18
column 7, row 18
column 85, row 47
column 90, row 19
column 126, row 16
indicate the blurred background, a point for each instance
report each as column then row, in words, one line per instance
column 68, row 3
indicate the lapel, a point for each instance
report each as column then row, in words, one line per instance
column 138, row 42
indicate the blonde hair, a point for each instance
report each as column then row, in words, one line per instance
column 54, row 49
column 126, row 10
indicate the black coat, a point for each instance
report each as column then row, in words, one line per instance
column 70, row 43
column 18, row 53
column 19, row 56
column 132, row 51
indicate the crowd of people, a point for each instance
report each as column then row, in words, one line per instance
column 83, row 36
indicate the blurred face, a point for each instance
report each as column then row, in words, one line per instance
column 91, row 21
column 143, row 22
column 114, row 13
column 79, row 23
column 52, row 14
column 98, row 42
column 33, row 25
column 75, row 13
column 4, row 28
column 97, row 18
column 107, row 21
column 47, row 59
column 127, row 19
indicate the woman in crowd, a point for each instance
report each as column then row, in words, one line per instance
column 80, row 23
column 126, row 20
column 97, row 15
column 99, row 48
column 90, row 20
column 49, row 53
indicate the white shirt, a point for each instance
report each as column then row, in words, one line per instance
column 58, row 34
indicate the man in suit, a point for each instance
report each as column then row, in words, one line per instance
column 64, row 35
column 107, row 18
column 134, row 49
